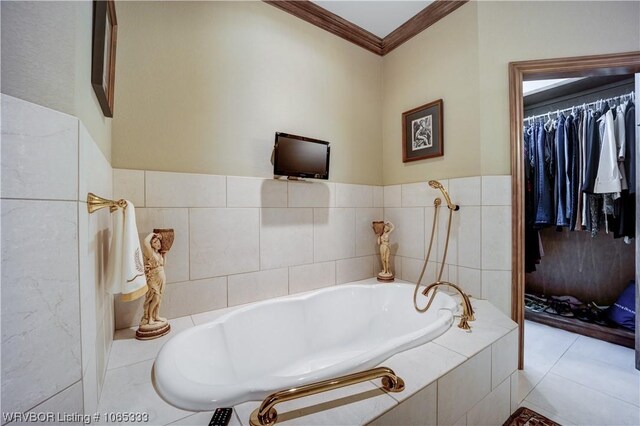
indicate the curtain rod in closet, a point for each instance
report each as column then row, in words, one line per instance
column 630, row 95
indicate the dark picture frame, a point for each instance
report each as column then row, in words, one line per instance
column 422, row 132
column 103, row 53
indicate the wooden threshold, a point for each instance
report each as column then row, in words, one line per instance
column 618, row 335
column 320, row 17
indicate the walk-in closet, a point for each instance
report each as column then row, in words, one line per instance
column 580, row 201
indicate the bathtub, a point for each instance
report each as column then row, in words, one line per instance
column 280, row 343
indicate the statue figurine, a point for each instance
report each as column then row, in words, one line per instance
column 152, row 325
column 382, row 230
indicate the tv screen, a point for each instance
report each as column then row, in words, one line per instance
column 299, row 156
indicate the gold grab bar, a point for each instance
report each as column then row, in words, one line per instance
column 266, row 414
column 95, row 203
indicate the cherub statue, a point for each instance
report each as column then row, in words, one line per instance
column 385, row 252
column 152, row 325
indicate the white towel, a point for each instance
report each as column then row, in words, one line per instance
column 126, row 266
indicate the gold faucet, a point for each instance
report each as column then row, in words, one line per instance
column 467, row 309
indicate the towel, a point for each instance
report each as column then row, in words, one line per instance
column 125, row 272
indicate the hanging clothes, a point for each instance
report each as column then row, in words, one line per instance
column 580, row 174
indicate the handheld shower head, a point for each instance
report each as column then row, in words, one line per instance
column 437, row 185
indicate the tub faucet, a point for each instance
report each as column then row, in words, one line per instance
column 467, row 309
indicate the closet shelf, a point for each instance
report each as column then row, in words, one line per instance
column 618, row 335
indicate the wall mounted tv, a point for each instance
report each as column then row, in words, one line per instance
column 299, row 156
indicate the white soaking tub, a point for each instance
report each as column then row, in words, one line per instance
column 280, row 343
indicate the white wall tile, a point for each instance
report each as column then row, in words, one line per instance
column 310, row 277
column 469, row 245
column 494, row 409
column 411, row 269
column 465, row 386
column 496, row 190
column 420, row 194
column 378, row 196
column 94, row 171
column 465, row 191
column 334, row 234
column 148, row 219
column 90, row 386
column 496, row 238
column 515, row 377
column 93, row 242
column 366, row 240
column 39, row 152
column 419, row 409
column 101, row 357
column 441, row 236
column 223, row 242
column 192, row 297
column 393, row 196
column 408, row 237
column 254, row 286
column 129, row 184
column 311, row 194
column 165, row 189
column 349, row 195
column 67, row 401
column 358, row 268
column 180, row 299
column 256, row 192
column 496, row 288
column 470, row 280
column 416, row 373
column 40, row 301
column 286, row 237
column 504, row 358
column 128, row 314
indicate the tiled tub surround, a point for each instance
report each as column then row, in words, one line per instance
column 479, row 252
column 242, row 239
column 458, row 378
column 57, row 321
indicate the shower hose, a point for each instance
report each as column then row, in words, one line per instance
column 444, row 257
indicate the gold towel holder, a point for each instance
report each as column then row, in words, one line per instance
column 95, row 203
column 266, row 414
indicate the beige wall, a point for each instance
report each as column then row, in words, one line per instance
column 203, row 86
column 46, row 59
column 466, row 56
column 440, row 63
column 87, row 108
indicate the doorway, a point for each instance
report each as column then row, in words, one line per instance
column 586, row 66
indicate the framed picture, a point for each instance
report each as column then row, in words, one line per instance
column 422, row 132
column 103, row 53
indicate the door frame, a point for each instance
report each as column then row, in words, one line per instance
column 581, row 66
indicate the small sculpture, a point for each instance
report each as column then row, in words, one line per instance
column 382, row 230
column 155, row 248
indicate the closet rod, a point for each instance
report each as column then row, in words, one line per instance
column 532, row 118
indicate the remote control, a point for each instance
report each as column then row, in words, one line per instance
column 221, row 417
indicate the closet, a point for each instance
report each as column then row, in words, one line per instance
column 579, row 230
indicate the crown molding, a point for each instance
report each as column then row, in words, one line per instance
column 320, row 17
column 420, row 22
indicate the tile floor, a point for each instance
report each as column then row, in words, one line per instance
column 577, row 380
column 572, row 379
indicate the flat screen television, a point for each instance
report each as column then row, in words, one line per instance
column 299, row 156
